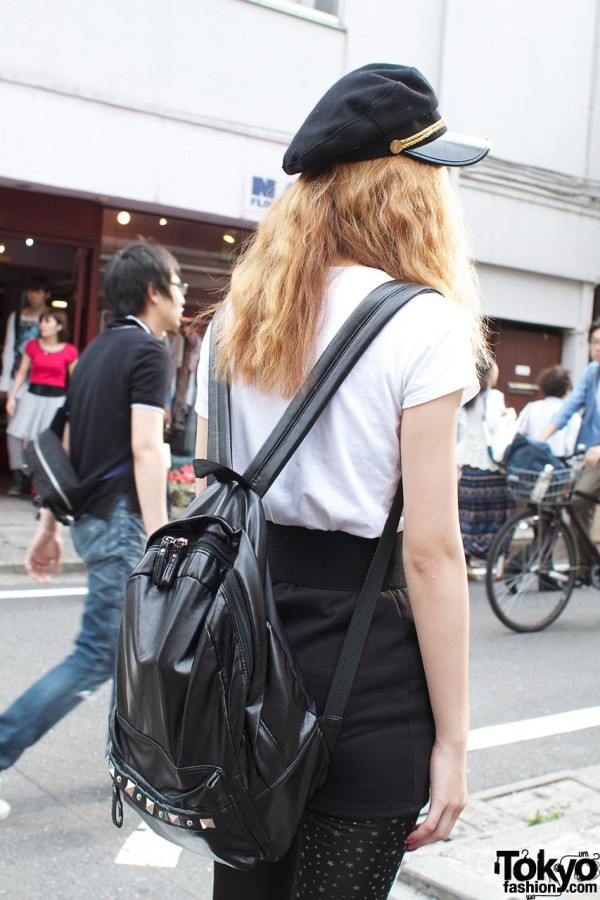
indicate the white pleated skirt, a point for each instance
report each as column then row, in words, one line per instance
column 33, row 415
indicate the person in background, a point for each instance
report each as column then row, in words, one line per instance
column 21, row 326
column 483, row 499
column 48, row 361
column 555, row 383
column 373, row 202
column 115, row 409
column 584, row 399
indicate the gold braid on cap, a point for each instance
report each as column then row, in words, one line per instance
column 398, row 146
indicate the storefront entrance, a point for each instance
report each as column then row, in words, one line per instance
column 58, row 237
column 71, row 241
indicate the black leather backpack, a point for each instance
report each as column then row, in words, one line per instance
column 213, row 739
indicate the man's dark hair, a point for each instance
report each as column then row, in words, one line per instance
column 555, row 381
column 593, row 327
column 483, row 373
column 38, row 282
column 129, row 273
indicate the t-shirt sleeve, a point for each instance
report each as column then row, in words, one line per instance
column 31, row 348
column 443, row 362
column 150, row 376
column 202, row 395
column 72, row 353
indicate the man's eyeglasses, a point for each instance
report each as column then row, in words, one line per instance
column 183, row 287
column 594, row 342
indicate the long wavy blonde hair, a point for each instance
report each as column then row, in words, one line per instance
column 393, row 214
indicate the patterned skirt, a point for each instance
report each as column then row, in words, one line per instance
column 484, row 505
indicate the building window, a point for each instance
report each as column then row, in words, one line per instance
column 325, row 12
column 326, row 6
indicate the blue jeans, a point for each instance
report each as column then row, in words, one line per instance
column 110, row 548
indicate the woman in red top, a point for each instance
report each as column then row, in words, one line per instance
column 48, row 360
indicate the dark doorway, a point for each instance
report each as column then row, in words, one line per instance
column 522, row 352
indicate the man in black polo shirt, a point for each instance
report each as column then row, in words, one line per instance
column 115, row 409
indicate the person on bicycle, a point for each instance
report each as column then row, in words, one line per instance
column 555, row 383
column 584, row 398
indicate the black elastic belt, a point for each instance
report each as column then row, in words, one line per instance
column 332, row 560
column 47, row 390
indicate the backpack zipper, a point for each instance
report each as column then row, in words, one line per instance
column 167, row 560
column 164, row 571
column 237, row 606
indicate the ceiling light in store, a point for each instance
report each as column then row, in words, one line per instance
column 30, row 242
column 59, row 304
column 123, row 217
column 162, row 221
column 2, row 248
column 229, row 239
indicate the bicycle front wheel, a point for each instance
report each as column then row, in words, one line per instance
column 531, row 571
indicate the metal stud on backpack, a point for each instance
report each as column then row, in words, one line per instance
column 213, row 739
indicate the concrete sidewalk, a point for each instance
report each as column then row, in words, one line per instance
column 565, row 806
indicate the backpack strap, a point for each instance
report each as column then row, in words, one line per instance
column 331, row 369
column 219, row 409
column 358, row 627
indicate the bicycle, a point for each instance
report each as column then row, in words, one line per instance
column 533, row 560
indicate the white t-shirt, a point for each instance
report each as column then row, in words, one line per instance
column 535, row 418
column 344, row 475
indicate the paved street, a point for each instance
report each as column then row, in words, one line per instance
column 516, row 677
column 59, row 841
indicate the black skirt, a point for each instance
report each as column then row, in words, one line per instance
column 380, row 763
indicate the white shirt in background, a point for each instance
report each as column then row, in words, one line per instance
column 535, row 418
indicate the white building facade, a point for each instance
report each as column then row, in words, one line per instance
column 184, row 108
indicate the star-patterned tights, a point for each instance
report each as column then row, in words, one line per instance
column 337, row 859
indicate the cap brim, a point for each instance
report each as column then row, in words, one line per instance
column 451, row 149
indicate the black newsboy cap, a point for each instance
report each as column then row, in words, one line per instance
column 379, row 110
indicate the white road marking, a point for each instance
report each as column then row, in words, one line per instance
column 530, row 729
column 479, row 738
column 26, row 593
column 146, row 848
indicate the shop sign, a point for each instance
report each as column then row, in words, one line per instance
column 263, row 191
column 260, row 192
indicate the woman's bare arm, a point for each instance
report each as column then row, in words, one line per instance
column 437, row 585
column 20, row 378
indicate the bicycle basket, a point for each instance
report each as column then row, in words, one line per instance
column 521, row 482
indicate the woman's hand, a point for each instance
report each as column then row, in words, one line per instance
column 448, row 778
column 10, row 405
